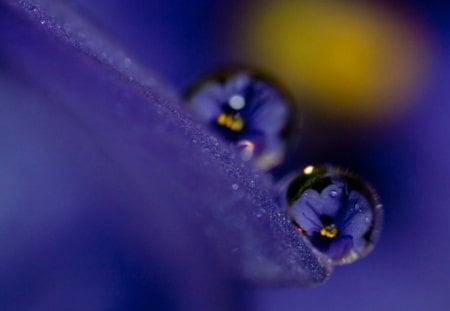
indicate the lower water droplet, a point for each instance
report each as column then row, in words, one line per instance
column 343, row 230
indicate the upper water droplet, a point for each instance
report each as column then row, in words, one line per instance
column 248, row 110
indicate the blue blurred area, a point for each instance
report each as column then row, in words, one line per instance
column 406, row 160
column 178, row 39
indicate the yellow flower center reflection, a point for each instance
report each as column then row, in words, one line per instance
column 329, row 231
column 231, row 121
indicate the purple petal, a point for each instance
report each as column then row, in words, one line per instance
column 206, row 103
column 357, row 218
column 340, row 247
column 237, row 85
column 305, row 214
column 272, row 112
column 327, row 203
column 330, row 201
column 114, row 197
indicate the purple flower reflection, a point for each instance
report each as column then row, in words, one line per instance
column 336, row 211
column 247, row 110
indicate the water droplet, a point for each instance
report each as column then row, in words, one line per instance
column 344, row 230
column 42, row 22
column 235, row 186
column 248, row 110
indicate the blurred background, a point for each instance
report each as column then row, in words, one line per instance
column 372, row 82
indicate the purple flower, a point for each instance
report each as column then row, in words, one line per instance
column 246, row 110
column 336, row 211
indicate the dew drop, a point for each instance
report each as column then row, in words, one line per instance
column 342, row 230
column 249, row 111
column 235, row 186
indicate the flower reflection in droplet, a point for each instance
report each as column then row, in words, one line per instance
column 338, row 213
column 248, row 110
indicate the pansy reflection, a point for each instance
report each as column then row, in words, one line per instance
column 247, row 110
column 336, row 211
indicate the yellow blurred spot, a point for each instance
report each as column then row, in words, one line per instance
column 308, row 170
column 350, row 60
column 329, row 231
column 233, row 122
